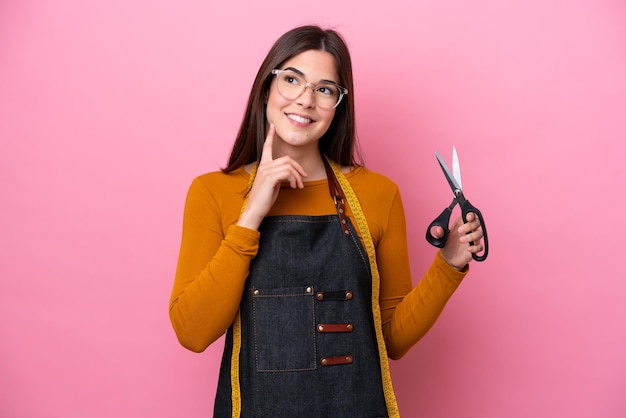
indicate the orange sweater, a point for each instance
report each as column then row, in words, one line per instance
column 215, row 256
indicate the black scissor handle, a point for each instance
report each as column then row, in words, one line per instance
column 466, row 208
column 443, row 220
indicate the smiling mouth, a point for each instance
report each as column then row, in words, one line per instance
column 298, row 118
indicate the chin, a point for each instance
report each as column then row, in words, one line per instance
column 298, row 138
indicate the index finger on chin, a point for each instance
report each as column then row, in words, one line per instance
column 266, row 154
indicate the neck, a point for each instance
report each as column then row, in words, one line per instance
column 310, row 160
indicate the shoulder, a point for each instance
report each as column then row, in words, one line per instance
column 217, row 180
column 217, row 196
column 371, row 183
column 220, row 186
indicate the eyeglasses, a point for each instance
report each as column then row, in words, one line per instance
column 291, row 85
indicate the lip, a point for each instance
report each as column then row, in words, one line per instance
column 299, row 120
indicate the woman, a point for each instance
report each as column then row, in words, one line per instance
column 299, row 253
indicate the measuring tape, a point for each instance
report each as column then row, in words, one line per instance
column 357, row 211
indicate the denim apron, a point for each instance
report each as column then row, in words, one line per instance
column 308, row 347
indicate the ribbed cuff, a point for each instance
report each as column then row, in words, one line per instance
column 447, row 270
column 246, row 239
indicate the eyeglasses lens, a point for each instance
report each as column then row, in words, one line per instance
column 292, row 85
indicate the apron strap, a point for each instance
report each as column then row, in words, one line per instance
column 337, row 194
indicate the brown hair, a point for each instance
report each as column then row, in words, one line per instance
column 339, row 142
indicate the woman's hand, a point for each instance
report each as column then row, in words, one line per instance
column 457, row 251
column 271, row 173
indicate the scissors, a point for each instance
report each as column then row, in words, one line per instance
column 443, row 220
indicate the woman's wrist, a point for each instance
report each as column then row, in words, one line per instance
column 452, row 265
column 248, row 220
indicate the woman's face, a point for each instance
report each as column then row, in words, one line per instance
column 300, row 123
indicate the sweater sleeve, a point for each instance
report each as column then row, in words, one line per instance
column 211, row 272
column 409, row 312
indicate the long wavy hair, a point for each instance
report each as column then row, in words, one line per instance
column 339, row 141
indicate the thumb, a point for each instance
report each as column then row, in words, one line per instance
column 437, row 232
column 266, row 153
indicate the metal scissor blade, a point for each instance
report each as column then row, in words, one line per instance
column 449, row 176
column 456, row 168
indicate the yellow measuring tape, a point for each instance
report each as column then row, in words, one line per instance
column 235, row 389
column 355, row 206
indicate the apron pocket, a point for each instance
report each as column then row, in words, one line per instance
column 284, row 329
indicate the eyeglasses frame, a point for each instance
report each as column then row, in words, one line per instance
column 342, row 90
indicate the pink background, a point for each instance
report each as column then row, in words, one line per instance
column 109, row 109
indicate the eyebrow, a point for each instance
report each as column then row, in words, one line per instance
column 295, row 70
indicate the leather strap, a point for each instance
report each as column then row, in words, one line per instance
column 333, row 361
column 338, row 197
column 335, row 328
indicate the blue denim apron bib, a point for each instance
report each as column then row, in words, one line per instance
column 308, row 346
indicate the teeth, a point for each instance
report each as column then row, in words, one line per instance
column 299, row 118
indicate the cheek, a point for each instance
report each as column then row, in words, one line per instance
column 274, row 104
column 328, row 117
column 273, row 97
column 271, row 107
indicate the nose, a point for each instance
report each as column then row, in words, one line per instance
column 307, row 97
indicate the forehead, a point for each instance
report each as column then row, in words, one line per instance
column 315, row 65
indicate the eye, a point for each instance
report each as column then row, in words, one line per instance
column 328, row 89
column 291, row 78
